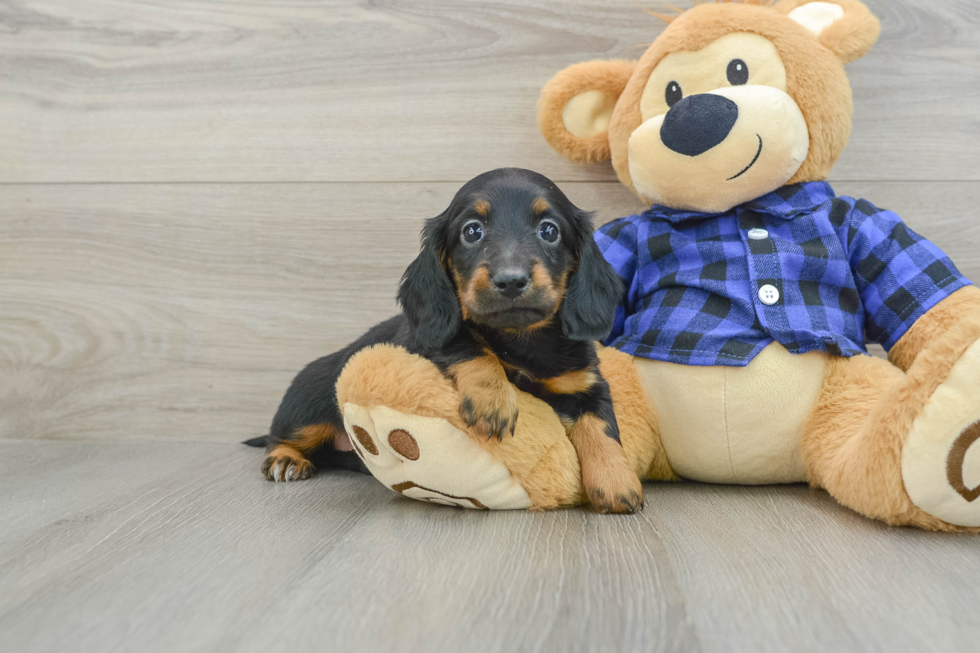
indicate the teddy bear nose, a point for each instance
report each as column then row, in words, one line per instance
column 698, row 123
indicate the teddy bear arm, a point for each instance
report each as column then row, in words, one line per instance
column 931, row 326
column 404, row 420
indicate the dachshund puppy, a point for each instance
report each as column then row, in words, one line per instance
column 509, row 289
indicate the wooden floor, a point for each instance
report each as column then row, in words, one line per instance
column 177, row 546
column 197, row 198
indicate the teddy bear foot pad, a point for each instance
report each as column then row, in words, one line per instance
column 941, row 458
column 429, row 459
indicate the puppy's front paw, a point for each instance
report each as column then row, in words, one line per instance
column 608, row 479
column 487, row 400
column 609, row 500
column 611, row 485
column 490, row 412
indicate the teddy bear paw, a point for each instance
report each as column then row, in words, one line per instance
column 941, row 457
column 429, row 459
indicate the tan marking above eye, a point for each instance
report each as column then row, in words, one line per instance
column 482, row 207
column 541, row 205
column 706, row 70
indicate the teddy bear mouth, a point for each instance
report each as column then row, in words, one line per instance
column 756, row 158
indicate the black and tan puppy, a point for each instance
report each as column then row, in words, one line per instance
column 509, row 289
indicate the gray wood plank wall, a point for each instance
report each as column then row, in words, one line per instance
column 163, row 272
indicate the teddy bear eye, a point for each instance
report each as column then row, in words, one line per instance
column 738, row 72
column 674, row 94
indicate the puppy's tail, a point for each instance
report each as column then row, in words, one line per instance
column 260, row 441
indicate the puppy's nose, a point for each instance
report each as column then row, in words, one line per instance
column 698, row 123
column 511, row 283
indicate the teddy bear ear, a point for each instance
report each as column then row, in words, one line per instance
column 577, row 104
column 845, row 27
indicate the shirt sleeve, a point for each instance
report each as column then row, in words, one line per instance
column 617, row 242
column 899, row 274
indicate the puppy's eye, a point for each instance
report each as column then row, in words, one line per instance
column 738, row 72
column 674, row 94
column 548, row 232
column 472, row 232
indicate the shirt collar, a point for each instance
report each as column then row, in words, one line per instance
column 785, row 202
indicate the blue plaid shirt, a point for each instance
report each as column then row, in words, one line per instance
column 842, row 270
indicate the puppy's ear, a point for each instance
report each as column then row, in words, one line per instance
column 594, row 291
column 425, row 292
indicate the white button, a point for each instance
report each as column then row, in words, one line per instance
column 758, row 234
column 768, row 295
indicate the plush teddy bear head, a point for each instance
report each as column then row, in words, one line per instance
column 732, row 101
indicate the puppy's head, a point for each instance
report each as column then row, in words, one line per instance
column 513, row 253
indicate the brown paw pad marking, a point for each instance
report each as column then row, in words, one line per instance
column 400, row 441
column 403, row 443
column 439, row 497
column 365, row 440
column 956, row 460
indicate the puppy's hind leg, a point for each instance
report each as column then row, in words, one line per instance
column 289, row 460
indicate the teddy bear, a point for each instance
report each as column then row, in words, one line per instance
column 739, row 349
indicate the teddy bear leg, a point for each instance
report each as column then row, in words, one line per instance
column 403, row 418
column 898, row 446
